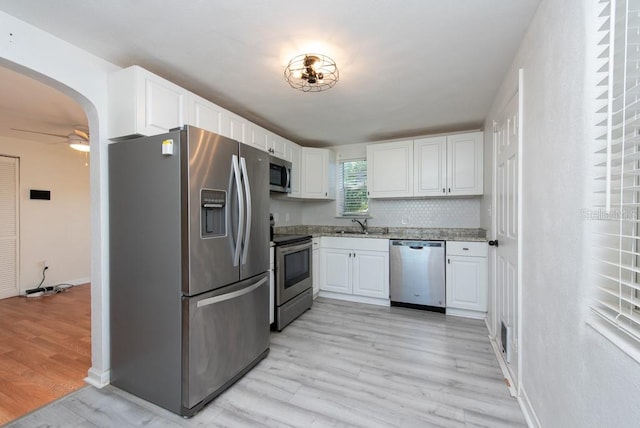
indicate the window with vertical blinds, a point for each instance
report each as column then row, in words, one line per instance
column 352, row 188
column 617, row 208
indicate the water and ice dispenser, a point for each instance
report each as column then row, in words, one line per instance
column 213, row 213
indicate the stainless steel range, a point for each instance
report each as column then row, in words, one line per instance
column 293, row 278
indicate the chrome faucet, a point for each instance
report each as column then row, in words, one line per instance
column 363, row 224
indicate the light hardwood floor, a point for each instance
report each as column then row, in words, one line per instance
column 340, row 364
column 45, row 349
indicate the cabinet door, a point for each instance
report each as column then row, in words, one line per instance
column 295, row 156
column 430, row 166
column 204, row 114
column 163, row 107
column 314, row 173
column 464, row 164
column 467, row 283
column 232, row 126
column 336, row 272
column 256, row 137
column 371, row 274
column 390, row 169
column 277, row 146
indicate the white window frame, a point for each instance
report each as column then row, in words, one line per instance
column 340, row 191
column 617, row 185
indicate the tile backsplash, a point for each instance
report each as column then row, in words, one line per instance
column 426, row 212
column 431, row 213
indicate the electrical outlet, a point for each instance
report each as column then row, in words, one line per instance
column 45, row 264
column 405, row 220
column 286, row 216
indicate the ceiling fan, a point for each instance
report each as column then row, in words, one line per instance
column 78, row 139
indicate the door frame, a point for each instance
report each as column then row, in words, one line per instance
column 516, row 387
column 17, row 214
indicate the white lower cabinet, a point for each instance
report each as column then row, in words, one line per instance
column 355, row 269
column 467, row 290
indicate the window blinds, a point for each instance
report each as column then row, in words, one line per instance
column 618, row 169
column 352, row 193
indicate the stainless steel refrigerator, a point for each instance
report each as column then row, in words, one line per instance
column 189, row 255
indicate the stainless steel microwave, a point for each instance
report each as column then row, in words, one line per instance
column 279, row 175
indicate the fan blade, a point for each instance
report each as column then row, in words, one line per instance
column 81, row 133
column 38, row 132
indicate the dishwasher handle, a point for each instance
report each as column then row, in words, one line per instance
column 417, row 245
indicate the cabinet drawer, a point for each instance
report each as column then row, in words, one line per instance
column 471, row 249
column 357, row 244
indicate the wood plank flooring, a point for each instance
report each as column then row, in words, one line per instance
column 340, row 364
column 45, row 349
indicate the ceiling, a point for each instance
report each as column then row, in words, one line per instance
column 406, row 67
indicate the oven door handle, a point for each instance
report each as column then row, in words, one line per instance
column 293, row 248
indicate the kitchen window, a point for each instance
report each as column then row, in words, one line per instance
column 617, row 223
column 352, row 188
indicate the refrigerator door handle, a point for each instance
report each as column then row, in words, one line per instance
column 232, row 295
column 247, row 194
column 240, row 193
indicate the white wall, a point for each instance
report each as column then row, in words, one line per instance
column 83, row 77
column 571, row 376
column 286, row 212
column 58, row 230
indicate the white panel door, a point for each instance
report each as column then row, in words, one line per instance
column 164, row 106
column 336, row 275
column 204, row 114
column 466, row 283
column 9, row 219
column 314, row 173
column 506, row 197
column 390, row 169
column 371, row 274
column 464, row 164
column 430, row 166
column 295, row 156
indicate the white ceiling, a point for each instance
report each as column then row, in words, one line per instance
column 407, row 67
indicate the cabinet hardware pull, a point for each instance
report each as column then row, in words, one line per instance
column 448, row 261
column 493, row 243
column 444, row 190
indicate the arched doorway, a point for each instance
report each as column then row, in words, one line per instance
column 46, row 339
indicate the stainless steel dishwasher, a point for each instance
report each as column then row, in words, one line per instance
column 416, row 274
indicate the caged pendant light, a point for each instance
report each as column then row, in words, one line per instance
column 311, row 73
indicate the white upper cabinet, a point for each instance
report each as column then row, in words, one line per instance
column 390, row 169
column 318, row 169
column 203, row 113
column 256, row 136
column 465, row 156
column 141, row 103
column 232, row 126
column 430, row 166
column 295, row 157
column 277, row 146
column 447, row 165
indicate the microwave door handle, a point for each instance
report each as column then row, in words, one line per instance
column 288, row 186
column 240, row 194
column 247, row 195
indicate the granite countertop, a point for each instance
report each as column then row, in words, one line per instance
column 435, row 234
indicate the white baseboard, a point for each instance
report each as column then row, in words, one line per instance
column 97, row 378
column 465, row 313
column 505, row 371
column 527, row 410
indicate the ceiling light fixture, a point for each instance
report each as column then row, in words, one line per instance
column 78, row 143
column 311, row 73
